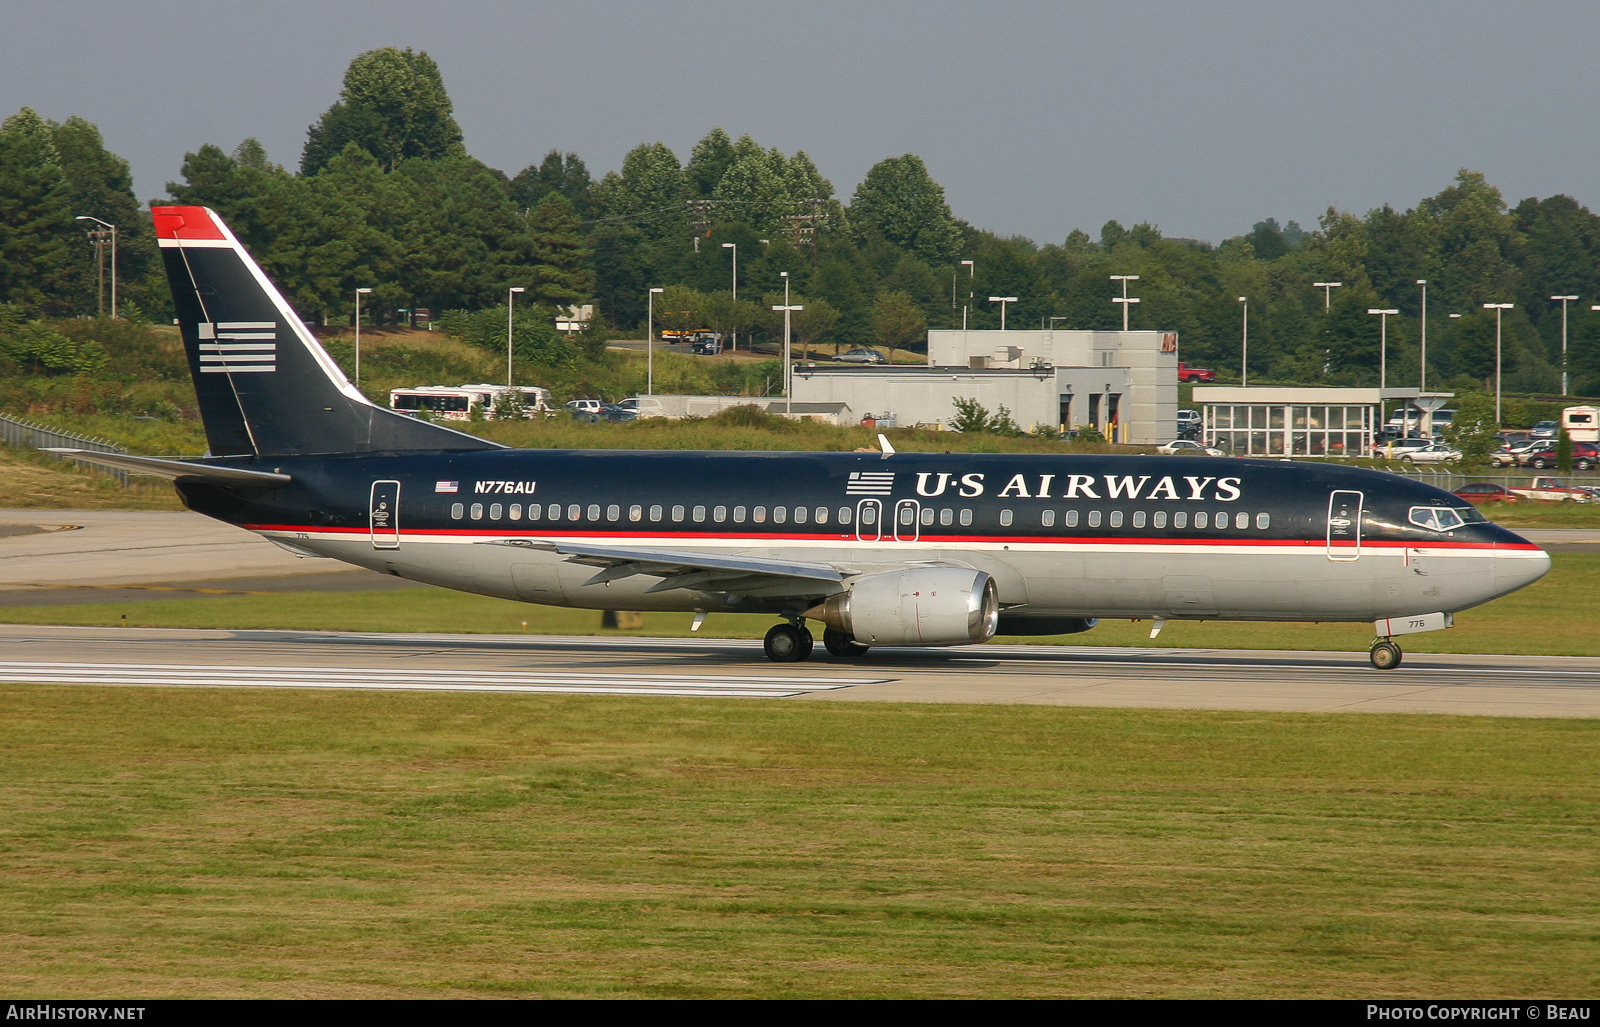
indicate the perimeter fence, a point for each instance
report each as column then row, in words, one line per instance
column 27, row 435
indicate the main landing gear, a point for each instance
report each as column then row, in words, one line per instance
column 1386, row 655
column 788, row 643
column 791, row 643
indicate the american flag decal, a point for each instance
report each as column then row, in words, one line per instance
column 870, row 483
column 238, row 347
column 447, row 486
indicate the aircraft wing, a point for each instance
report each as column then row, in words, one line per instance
column 177, row 470
column 706, row 572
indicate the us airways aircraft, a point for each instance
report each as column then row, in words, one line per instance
column 881, row 548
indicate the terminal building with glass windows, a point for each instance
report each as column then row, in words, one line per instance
column 1291, row 422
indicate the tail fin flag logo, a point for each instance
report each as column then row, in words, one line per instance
column 238, row 347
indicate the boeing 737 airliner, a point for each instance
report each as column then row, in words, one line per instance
column 881, row 548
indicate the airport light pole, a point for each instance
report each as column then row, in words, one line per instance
column 99, row 236
column 1123, row 299
column 1498, row 308
column 1383, row 345
column 650, row 342
column 788, row 368
column 972, row 269
column 511, row 299
column 1244, row 344
column 1564, row 301
column 1002, row 300
column 735, row 248
column 359, row 293
column 1423, row 363
column 1327, row 293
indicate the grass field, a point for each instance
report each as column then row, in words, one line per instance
column 275, row 844
column 1554, row 616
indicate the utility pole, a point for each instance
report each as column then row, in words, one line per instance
column 1564, row 301
column 1498, row 308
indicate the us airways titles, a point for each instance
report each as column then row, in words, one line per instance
column 1085, row 486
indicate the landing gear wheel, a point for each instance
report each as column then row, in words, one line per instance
column 806, row 641
column 1386, row 655
column 841, row 644
column 786, row 643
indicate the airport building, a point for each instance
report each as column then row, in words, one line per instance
column 1302, row 422
column 1123, row 383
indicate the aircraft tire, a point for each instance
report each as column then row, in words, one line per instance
column 806, row 641
column 786, row 644
column 841, row 644
column 1386, row 656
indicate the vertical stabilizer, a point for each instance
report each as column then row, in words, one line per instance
column 265, row 385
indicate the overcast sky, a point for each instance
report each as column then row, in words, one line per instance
column 1037, row 118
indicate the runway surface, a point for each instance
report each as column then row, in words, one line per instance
column 1520, row 686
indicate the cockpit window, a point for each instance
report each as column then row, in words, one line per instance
column 1435, row 518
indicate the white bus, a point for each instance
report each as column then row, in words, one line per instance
column 456, row 402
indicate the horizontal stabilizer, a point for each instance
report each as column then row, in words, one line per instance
column 185, row 470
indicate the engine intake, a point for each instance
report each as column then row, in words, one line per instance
column 915, row 606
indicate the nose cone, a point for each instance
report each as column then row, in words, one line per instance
column 1517, row 562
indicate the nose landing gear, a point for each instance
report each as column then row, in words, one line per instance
column 1386, row 655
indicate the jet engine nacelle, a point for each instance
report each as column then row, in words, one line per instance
column 915, row 606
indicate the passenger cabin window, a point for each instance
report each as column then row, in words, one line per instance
column 780, row 514
column 457, row 511
column 1071, row 519
column 1094, row 518
column 800, row 513
column 495, row 510
column 699, row 515
column 720, row 514
column 477, row 511
column 869, row 515
column 655, row 512
column 759, row 515
column 844, row 515
column 1180, row 519
column 575, row 512
column 1138, row 518
column 822, row 515
column 1159, row 519
column 1435, row 518
column 677, row 513
column 613, row 512
column 516, row 511
column 1263, row 521
column 555, row 511
column 738, row 515
column 534, row 511
column 1005, row 518
column 966, row 518
column 947, row 517
column 636, row 512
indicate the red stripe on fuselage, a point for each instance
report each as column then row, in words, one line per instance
column 851, row 539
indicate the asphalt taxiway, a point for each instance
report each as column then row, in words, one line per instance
column 84, row 556
column 1134, row 677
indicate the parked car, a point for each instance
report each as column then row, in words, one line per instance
column 1179, row 447
column 861, row 355
column 1509, row 454
column 1544, row 430
column 1484, row 492
column 1195, row 374
column 1188, row 417
column 1437, row 453
column 1543, row 455
column 618, row 412
column 584, row 406
column 707, row 347
column 1397, row 448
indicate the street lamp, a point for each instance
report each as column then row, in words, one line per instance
column 1244, row 344
column 359, row 293
column 788, row 368
column 1497, row 308
column 1327, row 292
column 1002, row 300
column 511, row 299
column 650, row 343
column 1424, row 363
column 1383, row 345
column 1123, row 299
column 735, row 248
column 972, row 269
column 1564, row 300
column 99, row 240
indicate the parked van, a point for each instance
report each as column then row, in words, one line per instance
column 1582, row 423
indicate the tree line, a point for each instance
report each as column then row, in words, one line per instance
column 387, row 197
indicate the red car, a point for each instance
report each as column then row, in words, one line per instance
column 1584, row 456
column 1195, row 374
column 1486, row 493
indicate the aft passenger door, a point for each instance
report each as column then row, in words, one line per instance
column 1344, row 526
column 384, row 515
column 907, row 517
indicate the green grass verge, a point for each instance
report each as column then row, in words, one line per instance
column 1554, row 616
column 197, row 842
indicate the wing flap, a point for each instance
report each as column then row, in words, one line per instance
column 706, row 572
